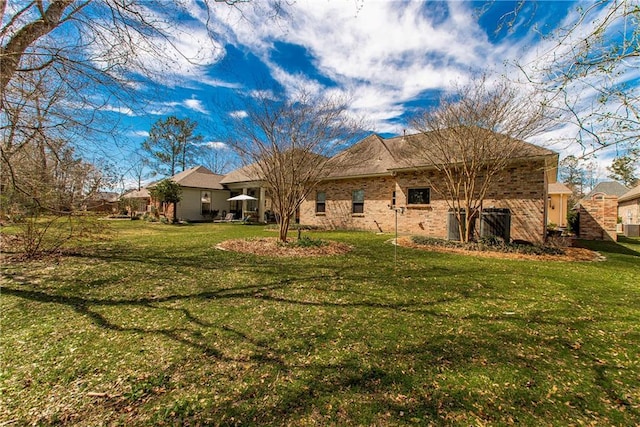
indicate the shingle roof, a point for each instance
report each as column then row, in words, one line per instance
column 246, row 173
column 104, row 196
column 137, row 194
column 199, row 177
column 632, row 194
column 371, row 156
column 609, row 188
column 559, row 188
column 299, row 160
column 375, row 155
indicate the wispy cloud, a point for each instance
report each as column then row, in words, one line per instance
column 216, row 145
column 240, row 114
column 217, row 83
column 173, row 107
column 139, row 133
column 195, row 105
column 384, row 53
column 118, row 109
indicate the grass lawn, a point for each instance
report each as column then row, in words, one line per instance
column 154, row 326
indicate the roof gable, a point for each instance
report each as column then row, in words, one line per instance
column 199, row 177
column 559, row 188
column 376, row 156
column 370, row 156
column 416, row 150
column 608, row 188
column 632, row 194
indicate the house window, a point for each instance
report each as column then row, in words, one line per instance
column 205, row 202
column 321, row 198
column 393, row 199
column 357, row 202
column 419, row 196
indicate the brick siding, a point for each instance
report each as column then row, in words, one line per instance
column 521, row 188
column 598, row 218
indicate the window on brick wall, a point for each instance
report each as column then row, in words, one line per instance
column 393, row 198
column 357, row 202
column 419, row 196
column 321, row 198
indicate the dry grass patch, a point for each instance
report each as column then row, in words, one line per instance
column 272, row 246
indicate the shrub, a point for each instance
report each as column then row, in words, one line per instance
column 306, row 242
column 490, row 243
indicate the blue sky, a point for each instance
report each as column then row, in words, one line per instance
column 391, row 57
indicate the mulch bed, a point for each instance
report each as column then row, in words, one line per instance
column 271, row 246
column 571, row 254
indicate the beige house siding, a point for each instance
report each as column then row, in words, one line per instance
column 522, row 188
column 629, row 211
column 558, row 208
column 190, row 205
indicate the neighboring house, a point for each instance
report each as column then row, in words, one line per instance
column 598, row 211
column 102, row 201
column 558, row 203
column 139, row 201
column 245, row 180
column 383, row 173
column 629, row 206
column 606, row 188
column 202, row 194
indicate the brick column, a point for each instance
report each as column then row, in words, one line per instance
column 598, row 218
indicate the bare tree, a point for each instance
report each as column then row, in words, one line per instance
column 285, row 143
column 589, row 72
column 473, row 135
column 217, row 157
column 66, row 64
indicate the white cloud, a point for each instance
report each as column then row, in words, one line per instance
column 240, row 114
column 219, row 83
column 384, row 53
column 195, row 105
column 171, row 107
column 216, row 145
column 117, row 109
column 176, row 56
column 139, row 133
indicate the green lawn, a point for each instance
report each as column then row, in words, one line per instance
column 155, row 326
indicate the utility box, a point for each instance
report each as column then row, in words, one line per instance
column 496, row 222
column 632, row 230
column 453, row 231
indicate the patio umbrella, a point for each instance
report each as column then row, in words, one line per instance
column 241, row 197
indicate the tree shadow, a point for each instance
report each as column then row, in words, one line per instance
column 372, row 376
column 613, row 247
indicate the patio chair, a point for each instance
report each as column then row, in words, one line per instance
column 227, row 218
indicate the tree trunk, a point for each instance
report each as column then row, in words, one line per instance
column 284, row 228
column 13, row 51
column 175, row 212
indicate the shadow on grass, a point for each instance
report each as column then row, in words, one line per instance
column 379, row 378
column 624, row 246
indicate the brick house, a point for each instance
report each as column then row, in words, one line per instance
column 383, row 173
